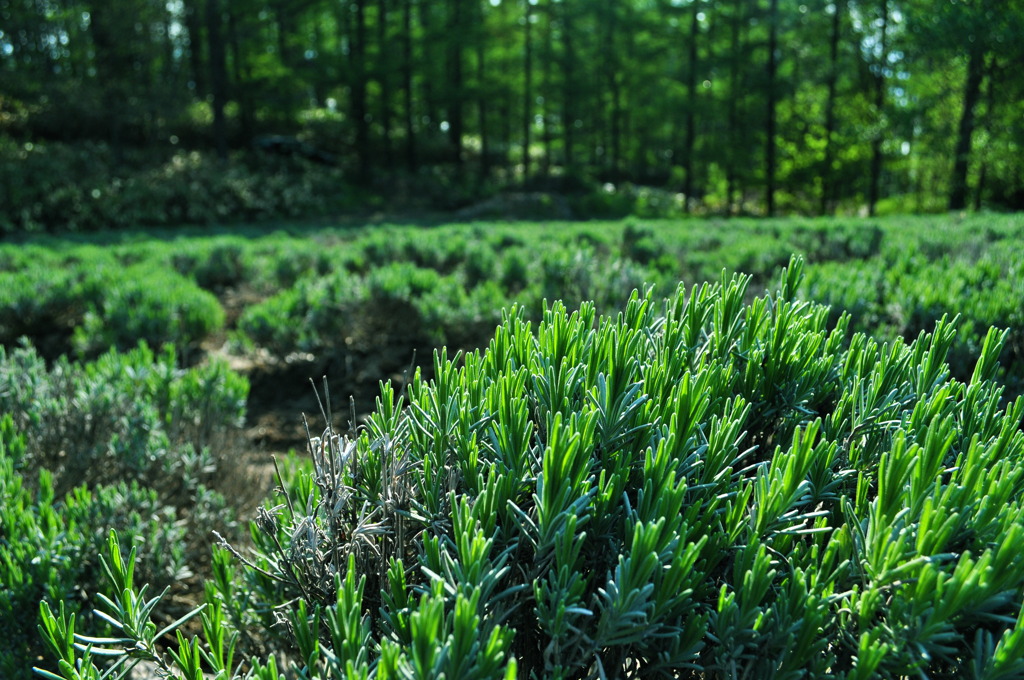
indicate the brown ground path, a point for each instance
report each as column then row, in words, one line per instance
column 284, row 389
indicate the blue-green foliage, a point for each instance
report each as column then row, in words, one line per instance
column 422, row 294
column 123, row 416
column 308, row 292
column 393, row 304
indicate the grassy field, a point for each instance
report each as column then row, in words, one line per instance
column 172, row 437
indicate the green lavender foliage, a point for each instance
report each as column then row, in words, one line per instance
column 128, row 442
column 431, row 300
column 714, row 487
column 126, row 415
column 312, row 290
column 903, row 294
column 49, row 547
column 88, row 303
column 132, row 420
column 147, row 304
column 398, row 306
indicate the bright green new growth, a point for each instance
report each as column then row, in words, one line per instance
column 713, row 488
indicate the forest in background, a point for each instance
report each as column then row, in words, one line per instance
column 731, row 107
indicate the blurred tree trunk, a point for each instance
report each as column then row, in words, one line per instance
column 990, row 72
column 112, row 63
column 360, row 111
column 384, row 80
column 482, row 90
column 877, row 158
column 965, row 130
column 569, row 74
column 827, row 189
column 407, row 85
column 284, row 15
column 242, row 75
column 507, row 126
column 547, row 62
column 218, row 76
column 455, row 88
column 689, row 142
column 611, row 73
column 428, row 58
column 770, row 72
column 735, row 89
column 527, row 87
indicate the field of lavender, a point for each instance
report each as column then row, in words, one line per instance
column 708, row 458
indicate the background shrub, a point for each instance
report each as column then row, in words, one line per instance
column 902, row 295
column 125, row 416
column 90, row 303
column 149, row 304
column 83, row 187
